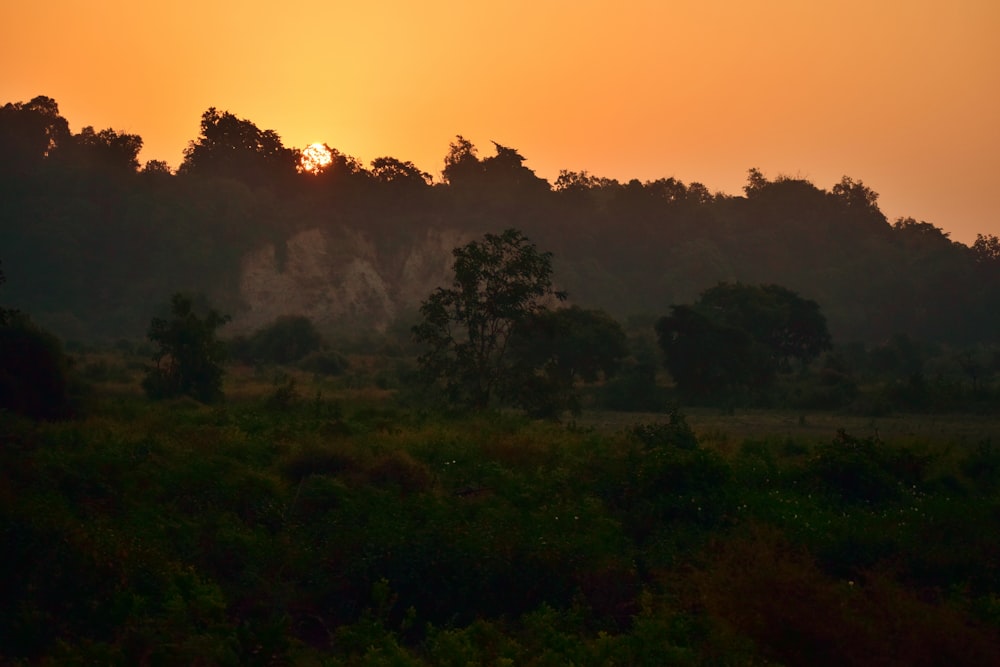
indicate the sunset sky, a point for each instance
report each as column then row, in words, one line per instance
column 902, row 94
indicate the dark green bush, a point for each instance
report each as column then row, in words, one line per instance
column 855, row 469
column 285, row 341
column 35, row 378
column 189, row 356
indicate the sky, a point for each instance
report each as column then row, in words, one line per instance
column 903, row 95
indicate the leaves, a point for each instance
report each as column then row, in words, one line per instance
column 498, row 282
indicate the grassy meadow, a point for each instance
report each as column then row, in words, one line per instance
column 322, row 521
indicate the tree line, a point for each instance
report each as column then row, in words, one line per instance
column 95, row 240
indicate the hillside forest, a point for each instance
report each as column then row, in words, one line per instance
column 92, row 241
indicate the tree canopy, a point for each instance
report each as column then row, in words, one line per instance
column 498, row 283
column 736, row 338
column 95, row 241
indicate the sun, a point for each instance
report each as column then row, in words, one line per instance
column 315, row 158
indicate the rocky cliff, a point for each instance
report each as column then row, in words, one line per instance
column 342, row 278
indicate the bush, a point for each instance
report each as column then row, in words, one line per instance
column 285, row 341
column 856, row 469
column 189, row 358
column 34, row 372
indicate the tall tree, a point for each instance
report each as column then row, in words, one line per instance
column 236, row 148
column 498, row 283
column 29, row 131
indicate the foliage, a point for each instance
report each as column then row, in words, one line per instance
column 737, row 337
column 789, row 326
column 189, row 356
column 90, row 237
column 498, row 283
column 355, row 532
column 708, row 359
column 986, row 249
column 236, row 148
column 35, row 375
column 554, row 350
column 287, row 340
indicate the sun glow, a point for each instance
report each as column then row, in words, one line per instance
column 315, row 158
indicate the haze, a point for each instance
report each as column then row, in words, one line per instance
column 902, row 95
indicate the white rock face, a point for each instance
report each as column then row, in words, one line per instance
column 337, row 279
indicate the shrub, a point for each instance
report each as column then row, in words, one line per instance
column 189, row 358
column 285, row 341
column 34, row 372
column 856, row 469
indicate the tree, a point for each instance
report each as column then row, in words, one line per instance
column 34, row 371
column 390, row 170
column 498, row 283
column 554, row 349
column 30, row 131
column 461, row 165
column 986, row 249
column 789, row 326
column 236, row 148
column 709, row 360
column 189, row 357
column 738, row 337
column 107, row 148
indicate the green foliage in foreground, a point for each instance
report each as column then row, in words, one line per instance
column 356, row 534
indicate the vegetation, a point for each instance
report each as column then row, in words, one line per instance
column 736, row 338
column 499, row 283
column 843, row 507
column 188, row 356
column 96, row 243
column 346, row 530
column 285, row 341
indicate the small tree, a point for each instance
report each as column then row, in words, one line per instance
column 499, row 282
column 189, row 357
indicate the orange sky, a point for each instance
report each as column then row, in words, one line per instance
column 902, row 94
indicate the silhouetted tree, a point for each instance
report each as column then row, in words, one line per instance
column 554, row 349
column 189, row 356
column 789, row 326
column 34, row 371
column 236, row 148
column 737, row 337
column 390, row 170
column 498, row 283
column 461, row 164
column 105, row 149
column 710, row 360
column 986, row 249
column 29, row 132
